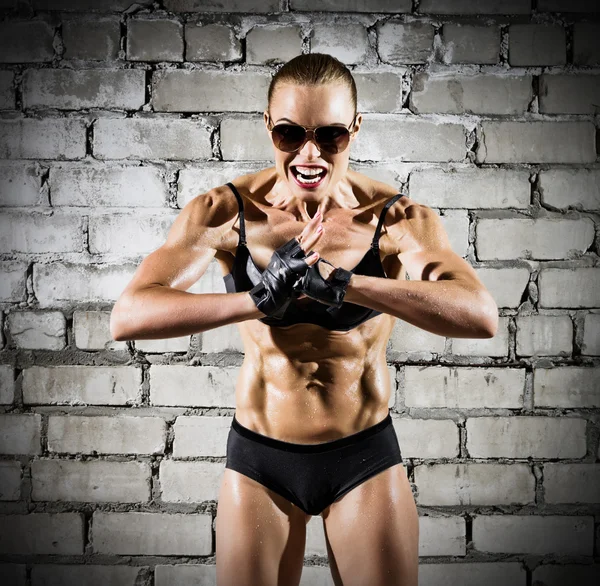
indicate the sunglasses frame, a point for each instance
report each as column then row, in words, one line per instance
column 310, row 134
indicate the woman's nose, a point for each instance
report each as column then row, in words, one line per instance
column 310, row 146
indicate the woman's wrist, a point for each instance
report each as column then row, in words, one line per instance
column 352, row 288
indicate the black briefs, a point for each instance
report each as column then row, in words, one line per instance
column 312, row 476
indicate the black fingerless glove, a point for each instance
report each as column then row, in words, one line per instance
column 331, row 291
column 275, row 291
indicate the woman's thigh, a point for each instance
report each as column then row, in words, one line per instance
column 372, row 533
column 260, row 535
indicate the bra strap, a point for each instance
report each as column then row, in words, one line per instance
column 386, row 207
column 241, row 206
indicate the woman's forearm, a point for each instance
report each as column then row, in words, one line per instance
column 163, row 312
column 444, row 307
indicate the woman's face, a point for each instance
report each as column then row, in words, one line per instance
column 312, row 106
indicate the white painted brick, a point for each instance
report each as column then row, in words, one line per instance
column 347, row 42
column 114, row 434
column 536, row 44
column 25, row 42
column 472, row 94
column 505, row 285
column 41, row 232
column 179, row 385
column 136, row 533
column 544, row 238
column 442, row 536
column 77, row 385
column 201, row 436
column 154, row 40
column 68, row 89
column 456, row 224
column 50, row 138
column 245, row 140
column 135, row 187
column 92, row 331
column 571, row 483
column 591, row 335
column 58, row 282
column 471, row 44
column 190, row 482
column 185, row 574
column 12, row 282
column 10, row 481
column 272, row 44
column 586, row 49
column 569, row 94
column 129, row 234
column 180, row 344
column 379, row 92
column 38, row 330
column 7, row 384
column 534, row 534
column 496, row 346
column 20, row 433
column 20, row 184
column 88, row 574
column 93, row 39
column 544, row 335
column 151, row 138
column 568, row 5
column 463, row 387
column 87, row 5
column 474, row 484
column 42, row 533
column 390, row 6
column 579, row 188
column 408, row 43
column 90, row 482
column 473, row 573
column 570, row 387
column 412, row 340
column 526, row 437
column 223, row 339
column 400, row 138
column 469, row 7
column 536, row 142
column 427, row 438
column 7, row 91
column 260, row 6
column 211, row 42
column 560, row 574
column 579, row 287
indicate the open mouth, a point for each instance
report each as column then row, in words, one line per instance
column 308, row 176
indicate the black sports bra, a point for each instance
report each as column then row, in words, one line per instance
column 245, row 274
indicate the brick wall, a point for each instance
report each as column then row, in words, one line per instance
column 114, row 114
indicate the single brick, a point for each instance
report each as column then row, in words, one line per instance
column 91, row 330
column 470, row 7
column 570, row 387
column 20, row 184
column 534, row 534
column 465, row 388
column 410, row 339
column 506, row 285
column 211, row 42
column 137, row 533
column 10, row 481
column 20, row 434
column 223, row 339
column 151, row 138
column 200, row 436
column 574, row 288
column 568, row 6
column 7, row 91
column 475, row 484
column 570, row 94
column 209, row 91
column 471, row 94
column 38, row 330
column 26, row 42
column 95, row 39
column 563, row 188
column 559, row 574
column 261, row 6
column 536, row 44
column 92, row 385
column 121, row 434
column 12, row 281
column 7, row 384
column 168, row 574
column 88, row 5
column 154, row 40
column 42, row 534
column 427, row 438
column 537, row 142
column 348, row 42
column 379, row 92
column 410, row 43
column 544, row 335
column 471, row 44
column 456, row 224
column 586, row 49
column 442, row 536
column 571, row 483
column 496, row 346
column 160, row 346
column 90, row 574
column 273, row 44
column 591, row 335
column 40, row 233
column 129, row 187
column 245, row 140
column 472, row 574
column 464, row 188
column 392, row 6
column 190, row 482
column 526, row 437
column 50, row 138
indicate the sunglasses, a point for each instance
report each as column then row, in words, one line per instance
column 292, row 137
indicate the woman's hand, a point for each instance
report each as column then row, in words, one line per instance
column 308, row 238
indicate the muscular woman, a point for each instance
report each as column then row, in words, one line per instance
column 314, row 257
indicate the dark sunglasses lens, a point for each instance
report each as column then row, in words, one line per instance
column 332, row 139
column 288, row 137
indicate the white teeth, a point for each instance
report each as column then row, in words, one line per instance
column 315, row 180
column 310, row 170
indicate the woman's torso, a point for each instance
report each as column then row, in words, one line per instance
column 304, row 383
